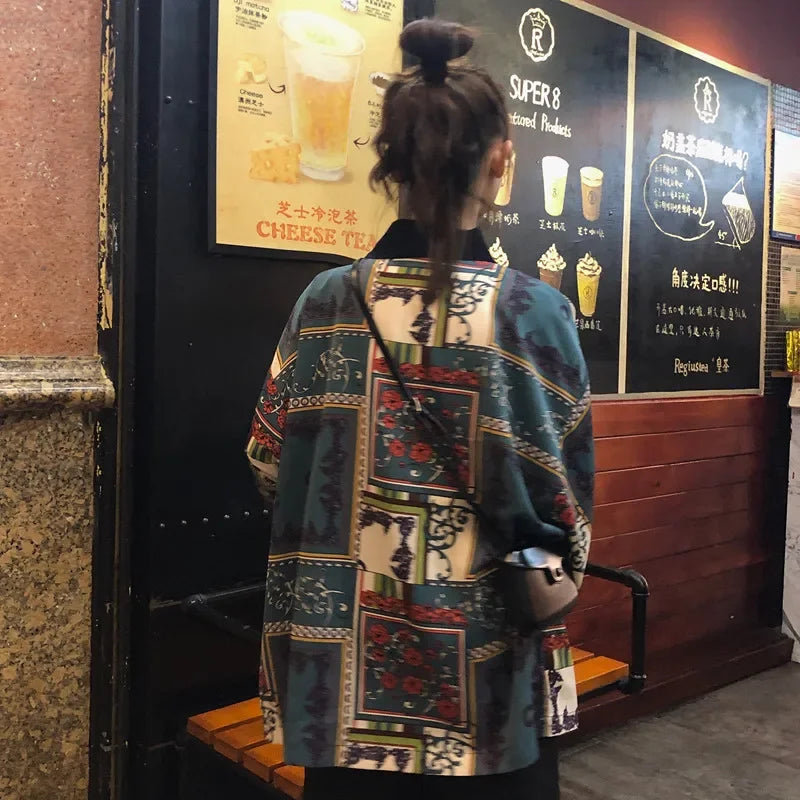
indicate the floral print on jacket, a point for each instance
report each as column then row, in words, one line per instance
column 386, row 643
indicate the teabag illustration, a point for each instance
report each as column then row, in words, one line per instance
column 740, row 215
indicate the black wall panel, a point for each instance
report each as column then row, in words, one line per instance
column 206, row 327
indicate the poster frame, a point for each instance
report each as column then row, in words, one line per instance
column 784, row 236
column 636, row 30
column 768, row 160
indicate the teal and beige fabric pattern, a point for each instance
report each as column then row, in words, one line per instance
column 386, row 644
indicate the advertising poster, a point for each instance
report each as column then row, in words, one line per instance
column 697, row 225
column 790, row 285
column 298, row 86
column 786, row 186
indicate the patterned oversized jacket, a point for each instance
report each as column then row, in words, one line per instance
column 385, row 643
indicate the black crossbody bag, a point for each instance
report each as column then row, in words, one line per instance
column 538, row 594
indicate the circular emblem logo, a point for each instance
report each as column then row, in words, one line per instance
column 706, row 100
column 537, row 34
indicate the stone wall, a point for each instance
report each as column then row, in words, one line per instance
column 49, row 208
column 46, row 531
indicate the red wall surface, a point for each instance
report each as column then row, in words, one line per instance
column 49, row 152
column 762, row 36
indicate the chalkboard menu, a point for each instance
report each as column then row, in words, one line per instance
column 636, row 188
column 697, row 225
column 560, row 215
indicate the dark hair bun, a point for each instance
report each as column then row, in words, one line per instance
column 435, row 42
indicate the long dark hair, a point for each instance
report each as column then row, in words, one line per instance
column 439, row 120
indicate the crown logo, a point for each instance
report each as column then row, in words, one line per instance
column 537, row 35
column 706, row 100
column 539, row 19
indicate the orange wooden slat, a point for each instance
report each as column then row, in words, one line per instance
column 290, row 781
column 597, row 672
column 263, row 760
column 631, row 417
column 579, row 655
column 232, row 742
column 647, row 450
column 633, row 484
column 202, row 726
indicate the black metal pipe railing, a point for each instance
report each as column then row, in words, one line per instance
column 205, row 606
column 640, row 592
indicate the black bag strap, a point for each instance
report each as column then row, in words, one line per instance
column 432, row 424
column 426, row 417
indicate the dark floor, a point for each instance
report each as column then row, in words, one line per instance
column 740, row 743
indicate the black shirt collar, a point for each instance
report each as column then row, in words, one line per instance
column 405, row 239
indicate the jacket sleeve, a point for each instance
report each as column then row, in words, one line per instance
column 577, row 451
column 578, row 458
column 556, row 417
column 269, row 421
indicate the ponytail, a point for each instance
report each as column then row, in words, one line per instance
column 439, row 120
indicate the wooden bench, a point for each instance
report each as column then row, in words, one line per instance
column 236, row 732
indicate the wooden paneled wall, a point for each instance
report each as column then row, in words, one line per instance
column 680, row 497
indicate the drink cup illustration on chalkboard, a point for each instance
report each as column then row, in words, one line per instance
column 554, row 173
column 740, row 215
column 506, row 184
column 497, row 253
column 589, row 271
column 591, row 193
column 551, row 267
column 323, row 57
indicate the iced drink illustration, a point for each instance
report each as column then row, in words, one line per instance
column 504, row 192
column 322, row 61
column 551, row 267
column 740, row 215
column 554, row 172
column 588, row 284
column 591, row 192
column 498, row 254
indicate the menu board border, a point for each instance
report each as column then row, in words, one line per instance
column 767, row 229
column 626, row 215
column 637, row 30
column 213, row 65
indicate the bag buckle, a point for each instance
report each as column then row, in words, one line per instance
column 555, row 574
